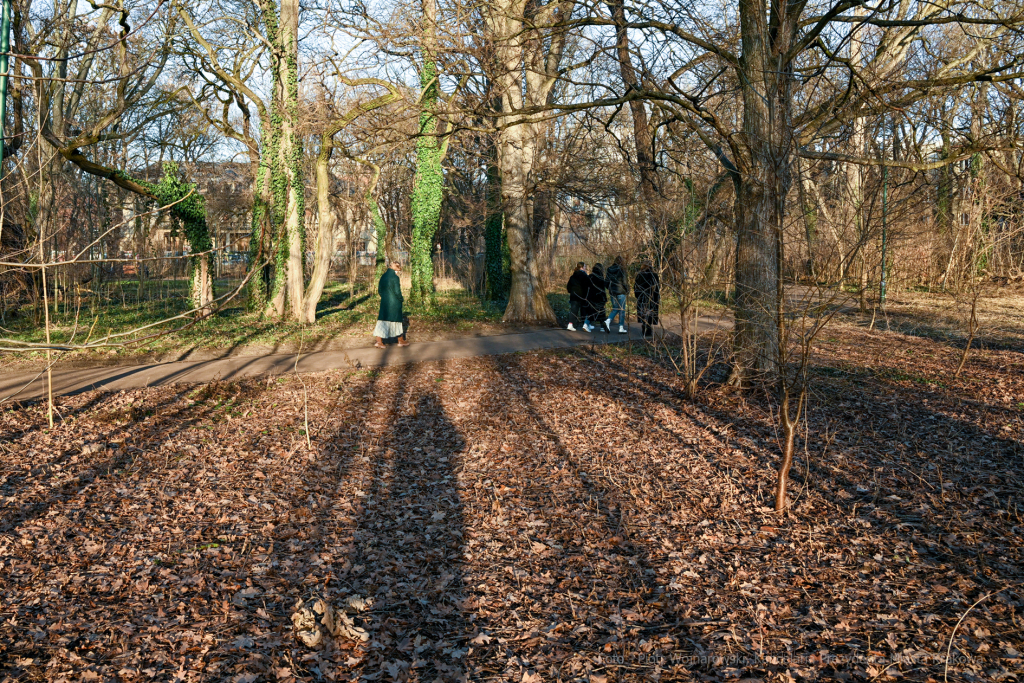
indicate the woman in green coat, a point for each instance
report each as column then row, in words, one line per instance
column 390, row 318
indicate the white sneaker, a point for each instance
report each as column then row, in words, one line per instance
column 588, row 327
column 608, row 323
column 623, row 330
column 571, row 328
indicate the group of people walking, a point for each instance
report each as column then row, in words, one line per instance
column 589, row 294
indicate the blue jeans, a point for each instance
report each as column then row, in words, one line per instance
column 618, row 309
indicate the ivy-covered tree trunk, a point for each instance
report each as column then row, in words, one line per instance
column 285, row 157
column 428, row 182
column 188, row 214
column 290, row 152
column 380, row 228
column 260, row 239
column 277, row 190
column 495, row 241
column 202, row 284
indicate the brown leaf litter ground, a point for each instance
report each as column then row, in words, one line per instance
column 554, row 516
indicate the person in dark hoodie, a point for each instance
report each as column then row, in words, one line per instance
column 598, row 298
column 647, row 290
column 617, row 289
column 579, row 291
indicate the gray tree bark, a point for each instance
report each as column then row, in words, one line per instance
column 526, row 64
column 763, row 180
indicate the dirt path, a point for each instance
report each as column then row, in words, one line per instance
column 31, row 385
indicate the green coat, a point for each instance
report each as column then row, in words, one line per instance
column 390, row 290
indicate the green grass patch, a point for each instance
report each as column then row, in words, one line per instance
column 339, row 313
column 717, row 299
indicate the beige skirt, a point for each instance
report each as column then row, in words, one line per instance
column 386, row 330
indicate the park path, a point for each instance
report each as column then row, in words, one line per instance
column 31, row 385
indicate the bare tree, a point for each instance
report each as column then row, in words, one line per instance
column 526, row 68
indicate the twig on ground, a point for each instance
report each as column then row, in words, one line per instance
column 949, row 647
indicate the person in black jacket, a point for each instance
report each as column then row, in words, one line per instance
column 618, row 289
column 597, row 298
column 579, row 291
column 647, row 290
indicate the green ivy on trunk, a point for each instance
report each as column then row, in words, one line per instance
column 259, row 240
column 382, row 234
column 428, row 188
column 188, row 214
column 497, row 257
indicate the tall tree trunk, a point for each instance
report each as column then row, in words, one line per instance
column 326, row 223
column 757, row 270
column 496, row 255
column 261, row 227
column 428, row 182
column 855, row 173
column 527, row 61
column 276, row 239
column 643, row 139
column 288, row 186
column 809, row 211
column 527, row 302
column 327, row 219
column 763, row 180
column 291, row 156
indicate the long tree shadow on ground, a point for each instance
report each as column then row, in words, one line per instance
column 583, row 588
column 930, row 325
column 525, row 518
column 72, row 469
column 913, row 468
column 191, row 548
column 408, row 544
